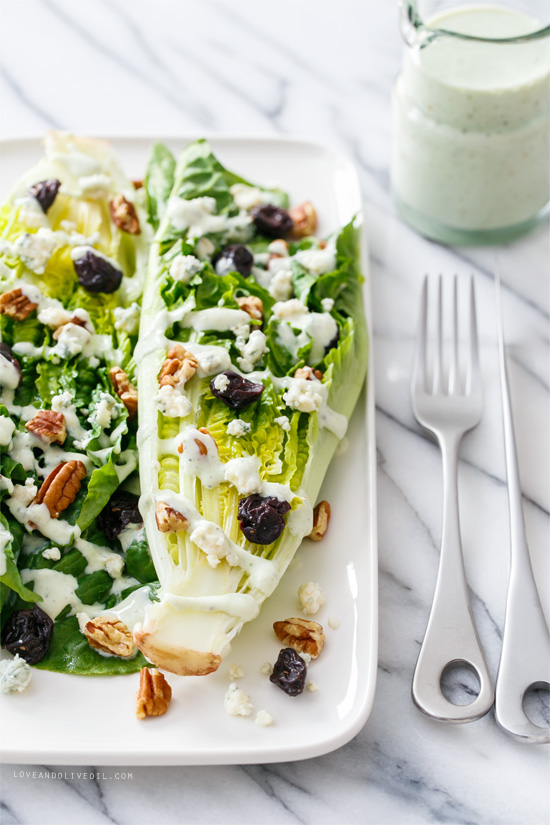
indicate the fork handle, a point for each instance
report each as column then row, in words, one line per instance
column 525, row 657
column 451, row 636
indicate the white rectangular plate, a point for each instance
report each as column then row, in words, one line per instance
column 81, row 720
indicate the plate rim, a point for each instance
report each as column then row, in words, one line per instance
column 273, row 753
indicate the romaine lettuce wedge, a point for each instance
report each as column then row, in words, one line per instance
column 205, row 466
column 74, row 243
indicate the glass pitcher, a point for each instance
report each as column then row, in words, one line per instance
column 471, row 121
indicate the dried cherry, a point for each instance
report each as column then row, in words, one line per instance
column 261, row 518
column 96, row 274
column 7, row 353
column 29, row 633
column 272, row 220
column 236, row 258
column 289, row 672
column 120, row 511
column 239, row 392
column 45, row 192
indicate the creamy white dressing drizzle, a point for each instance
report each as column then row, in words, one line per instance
column 309, row 395
column 240, row 605
column 83, row 344
column 9, row 374
column 100, row 558
column 217, row 319
column 318, row 327
column 7, row 428
column 5, row 539
column 57, row 591
column 241, row 472
column 34, row 516
column 217, row 545
column 131, row 533
column 131, row 610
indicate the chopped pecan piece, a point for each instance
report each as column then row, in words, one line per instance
column 61, row 486
column 308, row 374
column 154, row 694
column 253, row 305
column 301, row 635
column 321, row 518
column 137, row 184
column 203, row 449
column 49, row 426
column 169, row 520
column 304, row 219
column 75, row 321
column 278, row 249
column 178, row 368
column 124, row 215
column 109, row 635
column 15, row 304
column 125, row 390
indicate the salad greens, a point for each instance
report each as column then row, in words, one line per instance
column 213, row 580
column 251, row 355
column 64, row 342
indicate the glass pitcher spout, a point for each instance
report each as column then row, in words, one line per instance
column 418, row 32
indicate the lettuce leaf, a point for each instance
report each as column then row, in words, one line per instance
column 188, row 639
column 101, row 486
column 139, row 563
column 200, row 174
column 11, row 582
column 70, row 653
column 159, row 179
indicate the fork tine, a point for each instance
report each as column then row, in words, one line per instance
column 438, row 355
column 473, row 376
column 453, row 364
column 419, row 363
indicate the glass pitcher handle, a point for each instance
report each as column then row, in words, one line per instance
column 413, row 31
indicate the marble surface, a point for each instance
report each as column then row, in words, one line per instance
column 324, row 70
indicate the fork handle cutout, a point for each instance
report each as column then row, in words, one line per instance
column 451, row 636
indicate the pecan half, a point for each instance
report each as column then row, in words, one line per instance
column 109, row 635
column 169, row 520
column 61, row 486
column 15, row 304
column 125, row 390
column 124, row 215
column 321, row 518
column 154, row 694
column 178, row 368
column 301, row 635
column 308, row 373
column 304, row 218
column 253, row 305
column 49, row 426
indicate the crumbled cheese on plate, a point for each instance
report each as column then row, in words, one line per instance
column 237, row 702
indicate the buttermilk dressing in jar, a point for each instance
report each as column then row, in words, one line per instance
column 470, row 161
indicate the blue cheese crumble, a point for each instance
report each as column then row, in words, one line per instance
column 15, row 674
column 237, row 702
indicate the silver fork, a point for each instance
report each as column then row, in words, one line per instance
column 449, row 409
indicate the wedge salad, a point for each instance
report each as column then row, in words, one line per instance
column 230, row 403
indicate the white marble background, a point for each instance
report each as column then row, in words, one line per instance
column 322, row 69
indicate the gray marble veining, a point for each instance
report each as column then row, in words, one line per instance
column 322, row 69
